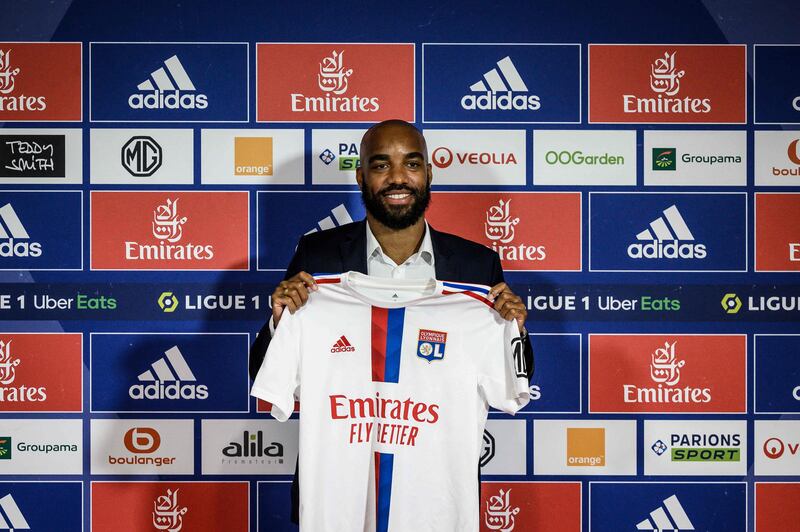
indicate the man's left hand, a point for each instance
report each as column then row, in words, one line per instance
column 508, row 304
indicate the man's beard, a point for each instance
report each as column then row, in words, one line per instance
column 400, row 218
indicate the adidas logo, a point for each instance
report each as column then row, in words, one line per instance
column 341, row 216
column 668, row 238
column 177, row 372
column 11, row 517
column 670, row 516
column 500, row 94
column 342, row 346
column 11, row 228
column 163, row 89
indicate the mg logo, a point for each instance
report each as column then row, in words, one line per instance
column 141, row 156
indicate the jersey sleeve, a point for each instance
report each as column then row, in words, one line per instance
column 502, row 378
column 278, row 379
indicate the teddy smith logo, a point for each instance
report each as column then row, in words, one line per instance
column 396, row 419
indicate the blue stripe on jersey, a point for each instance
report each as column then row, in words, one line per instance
column 384, row 495
column 470, row 287
column 394, row 343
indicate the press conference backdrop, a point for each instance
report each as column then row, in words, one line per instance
column 637, row 170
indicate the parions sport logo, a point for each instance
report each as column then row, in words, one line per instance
column 663, row 374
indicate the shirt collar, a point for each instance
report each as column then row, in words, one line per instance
column 425, row 249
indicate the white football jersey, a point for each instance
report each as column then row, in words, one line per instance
column 395, row 379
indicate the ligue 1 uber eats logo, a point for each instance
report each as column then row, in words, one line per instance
column 168, row 87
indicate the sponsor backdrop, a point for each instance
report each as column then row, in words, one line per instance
column 638, row 174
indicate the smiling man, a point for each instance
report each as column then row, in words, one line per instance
column 394, row 241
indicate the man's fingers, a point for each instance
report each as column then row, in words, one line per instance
column 308, row 280
column 497, row 289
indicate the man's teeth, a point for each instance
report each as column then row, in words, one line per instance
column 398, row 196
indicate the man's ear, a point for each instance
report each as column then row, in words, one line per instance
column 430, row 173
column 359, row 177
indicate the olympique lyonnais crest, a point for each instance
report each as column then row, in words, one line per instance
column 431, row 345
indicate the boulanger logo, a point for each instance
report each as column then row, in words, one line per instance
column 333, row 79
column 586, row 446
column 168, row 87
column 665, row 82
column 664, row 159
column 142, row 440
column 792, row 165
column 142, row 443
column 252, row 156
column 170, row 377
column 502, row 88
column 167, row 512
column 13, row 515
column 141, row 156
column 670, row 515
column 668, row 237
column 500, row 227
column 14, row 238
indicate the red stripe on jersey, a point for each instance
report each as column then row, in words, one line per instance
column 380, row 319
column 328, row 281
column 472, row 295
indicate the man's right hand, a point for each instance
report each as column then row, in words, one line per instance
column 292, row 294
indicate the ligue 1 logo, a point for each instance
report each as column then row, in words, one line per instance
column 431, row 345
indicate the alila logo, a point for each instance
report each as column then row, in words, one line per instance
column 499, row 228
column 14, row 238
column 668, row 237
column 8, row 80
column 167, row 513
column 664, row 159
column 170, row 377
column 669, row 516
column 333, row 80
column 169, row 87
column 665, row 82
column 442, row 157
column 13, row 518
column 665, row 372
column 8, row 373
column 167, row 228
column 504, row 93
column 342, row 345
column 252, row 445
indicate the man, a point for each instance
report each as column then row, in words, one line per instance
column 394, row 241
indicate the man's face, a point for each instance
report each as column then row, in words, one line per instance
column 394, row 176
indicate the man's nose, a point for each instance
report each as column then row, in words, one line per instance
column 398, row 174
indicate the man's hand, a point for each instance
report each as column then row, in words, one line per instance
column 508, row 304
column 292, row 294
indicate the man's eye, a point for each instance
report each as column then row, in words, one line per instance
column 413, row 164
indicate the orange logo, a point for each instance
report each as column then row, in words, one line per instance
column 252, row 156
column 586, row 446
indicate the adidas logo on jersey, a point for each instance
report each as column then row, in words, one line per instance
column 498, row 94
column 341, row 216
column 669, row 516
column 342, row 345
column 14, row 237
column 173, row 89
column 177, row 376
column 668, row 238
column 13, row 515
